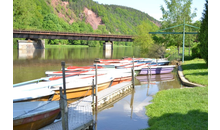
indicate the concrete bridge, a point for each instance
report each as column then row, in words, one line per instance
column 69, row 36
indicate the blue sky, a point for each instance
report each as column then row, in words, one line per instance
column 152, row 7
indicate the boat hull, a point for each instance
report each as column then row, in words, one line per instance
column 36, row 122
column 31, row 93
column 80, row 92
column 44, row 98
column 160, row 77
column 156, row 70
column 34, row 115
column 120, row 80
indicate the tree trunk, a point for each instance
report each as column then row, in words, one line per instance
column 178, row 48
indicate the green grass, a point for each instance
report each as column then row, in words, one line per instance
column 182, row 109
column 179, row 109
column 196, row 71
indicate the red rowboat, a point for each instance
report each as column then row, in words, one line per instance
column 34, row 115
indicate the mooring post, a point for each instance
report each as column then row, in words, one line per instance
column 132, row 73
column 64, row 98
column 64, row 79
column 93, row 92
column 96, row 88
column 64, row 115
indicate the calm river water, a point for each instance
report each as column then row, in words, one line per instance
column 128, row 112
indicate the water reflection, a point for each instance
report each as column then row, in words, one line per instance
column 34, row 67
column 75, row 53
column 128, row 112
column 31, row 54
column 107, row 53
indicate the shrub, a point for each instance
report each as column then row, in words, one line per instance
column 196, row 51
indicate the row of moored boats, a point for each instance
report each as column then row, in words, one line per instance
column 36, row 99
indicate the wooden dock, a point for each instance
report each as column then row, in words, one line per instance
column 80, row 113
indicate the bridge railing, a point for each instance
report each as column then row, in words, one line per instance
column 70, row 33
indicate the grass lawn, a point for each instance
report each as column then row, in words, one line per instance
column 196, row 71
column 181, row 109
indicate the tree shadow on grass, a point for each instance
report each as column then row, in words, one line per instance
column 194, row 66
column 193, row 120
column 197, row 74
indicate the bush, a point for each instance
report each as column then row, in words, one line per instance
column 196, row 51
column 93, row 44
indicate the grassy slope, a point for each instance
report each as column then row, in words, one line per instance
column 182, row 108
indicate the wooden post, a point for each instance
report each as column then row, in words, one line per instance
column 132, row 73
column 64, row 79
column 64, row 100
column 96, row 88
column 148, row 69
column 63, row 109
column 93, row 92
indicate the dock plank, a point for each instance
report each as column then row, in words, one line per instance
column 80, row 112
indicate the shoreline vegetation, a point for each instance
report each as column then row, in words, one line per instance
column 71, row 46
column 185, row 108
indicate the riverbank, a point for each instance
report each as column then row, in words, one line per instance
column 65, row 46
column 196, row 71
column 185, row 108
column 76, row 46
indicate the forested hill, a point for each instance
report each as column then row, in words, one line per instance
column 84, row 16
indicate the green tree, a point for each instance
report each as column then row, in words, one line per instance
column 51, row 22
column 177, row 11
column 203, row 35
column 21, row 13
column 75, row 27
column 144, row 39
column 102, row 29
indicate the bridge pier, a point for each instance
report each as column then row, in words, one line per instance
column 108, row 45
column 107, row 49
column 31, row 44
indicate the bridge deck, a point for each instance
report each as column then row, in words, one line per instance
column 70, row 36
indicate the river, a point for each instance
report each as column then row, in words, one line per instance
column 32, row 64
column 128, row 112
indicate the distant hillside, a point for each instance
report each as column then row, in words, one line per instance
column 117, row 19
column 84, row 16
